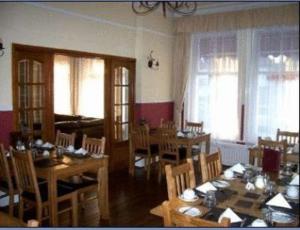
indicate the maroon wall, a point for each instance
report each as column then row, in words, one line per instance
column 153, row 112
column 6, row 126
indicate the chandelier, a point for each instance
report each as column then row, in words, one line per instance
column 181, row 8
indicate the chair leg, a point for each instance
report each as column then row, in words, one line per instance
column 74, row 202
column 21, row 208
column 39, row 214
column 11, row 204
column 148, row 167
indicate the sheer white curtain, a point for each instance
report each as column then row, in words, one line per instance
column 212, row 92
column 273, row 88
column 79, row 86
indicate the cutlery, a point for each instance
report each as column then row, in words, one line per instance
column 185, row 211
column 243, row 222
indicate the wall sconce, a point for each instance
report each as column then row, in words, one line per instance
column 152, row 62
column 1, row 48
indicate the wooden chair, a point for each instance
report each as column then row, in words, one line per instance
column 170, row 151
column 269, row 144
column 194, row 126
column 179, row 178
column 292, row 138
column 36, row 195
column 140, row 147
column 64, row 139
column 211, row 165
column 167, row 124
column 88, row 183
column 173, row 218
column 7, row 182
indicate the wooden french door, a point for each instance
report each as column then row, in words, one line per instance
column 122, row 110
column 32, row 94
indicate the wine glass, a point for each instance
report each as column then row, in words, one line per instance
column 210, row 200
column 270, row 188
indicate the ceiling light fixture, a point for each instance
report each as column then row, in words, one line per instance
column 181, row 8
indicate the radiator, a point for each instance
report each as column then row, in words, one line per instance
column 232, row 153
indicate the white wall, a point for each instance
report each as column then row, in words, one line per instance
column 106, row 28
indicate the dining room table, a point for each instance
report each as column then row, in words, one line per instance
column 54, row 168
column 10, row 221
column 249, row 205
column 186, row 140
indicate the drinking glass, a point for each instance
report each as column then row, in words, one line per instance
column 248, row 174
column 270, row 188
column 59, row 152
column 210, row 200
column 267, row 216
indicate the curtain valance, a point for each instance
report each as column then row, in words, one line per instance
column 263, row 17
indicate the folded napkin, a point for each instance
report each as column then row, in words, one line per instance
column 279, row 201
column 81, row 151
column 206, row 187
column 70, row 148
column 234, row 218
column 296, row 148
column 295, row 180
column 180, row 134
column 47, row 145
column 239, row 168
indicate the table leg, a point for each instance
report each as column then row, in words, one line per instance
column 207, row 144
column 103, row 191
column 52, row 196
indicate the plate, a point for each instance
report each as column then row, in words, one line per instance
column 96, row 156
column 282, row 218
column 188, row 200
column 220, row 184
column 223, row 177
column 291, row 198
column 190, row 211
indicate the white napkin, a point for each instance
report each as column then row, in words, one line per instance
column 295, row 180
column 296, row 148
column 234, row 218
column 81, row 151
column 249, row 186
column 206, row 187
column 279, row 201
column 180, row 134
column 238, row 168
column 47, row 145
column 70, row 148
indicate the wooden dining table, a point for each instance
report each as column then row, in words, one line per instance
column 243, row 202
column 10, row 221
column 70, row 166
column 186, row 141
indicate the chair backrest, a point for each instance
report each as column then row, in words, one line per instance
column 211, row 165
column 179, row 178
column 194, row 127
column 292, row 138
column 280, row 146
column 93, row 145
column 167, row 142
column 167, row 124
column 174, row 218
column 5, row 172
column 140, row 137
column 24, row 171
column 64, row 139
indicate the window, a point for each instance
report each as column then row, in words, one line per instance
column 258, row 68
column 212, row 94
column 79, row 86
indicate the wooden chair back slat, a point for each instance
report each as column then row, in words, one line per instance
column 4, row 166
column 140, row 137
column 174, row 218
column 292, row 138
column 211, row 165
column 24, row 170
column 179, row 178
column 194, row 126
column 274, row 145
column 167, row 124
column 64, row 139
column 167, row 139
column 93, row 145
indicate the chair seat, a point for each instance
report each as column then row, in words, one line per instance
column 154, row 149
column 61, row 191
column 182, row 155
